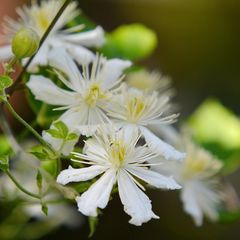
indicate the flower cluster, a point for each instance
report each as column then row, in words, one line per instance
column 113, row 130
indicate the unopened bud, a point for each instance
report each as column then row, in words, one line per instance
column 25, row 43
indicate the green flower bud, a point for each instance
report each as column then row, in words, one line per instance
column 25, row 43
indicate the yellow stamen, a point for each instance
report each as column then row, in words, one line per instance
column 95, row 94
column 118, row 153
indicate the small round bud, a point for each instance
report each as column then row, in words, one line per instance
column 25, row 43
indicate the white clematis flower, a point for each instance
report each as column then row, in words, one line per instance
column 115, row 156
column 89, row 91
column 149, row 81
column 135, row 109
column 39, row 17
column 197, row 175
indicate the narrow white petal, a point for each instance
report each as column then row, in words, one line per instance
column 40, row 59
column 161, row 147
column 191, row 206
column 82, row 55
column 136, row 203
column 153, row 178
column 112, row 71
column 166, row 132
column 92, row 38
column 5, row 52
column 97, row 196
column 46, row 91
column 78, row 175
column 60, row 59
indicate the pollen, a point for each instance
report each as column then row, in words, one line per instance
column 94, row 94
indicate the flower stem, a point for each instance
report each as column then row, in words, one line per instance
column 18, row 185
column 58, row 15
column 25, row 124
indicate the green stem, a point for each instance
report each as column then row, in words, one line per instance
column 18, row 185
column 25, row 124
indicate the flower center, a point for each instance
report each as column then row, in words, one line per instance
column 135, row 107
column 117, row 153
column 42, row 20
column 195, row 166
column 94, row 94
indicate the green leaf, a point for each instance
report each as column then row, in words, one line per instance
column 42, row 153
column 5, row 82
column 72, row 136
column 93, row 222
column 62, row 128
column 4, row 163
column 55, row 133
column 133, row 41
column 45, row 209
column 39, row 180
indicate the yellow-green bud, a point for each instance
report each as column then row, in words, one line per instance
column 25, row 43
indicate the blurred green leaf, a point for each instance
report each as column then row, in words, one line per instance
column 229, row 217
column 5, row 82
column 42, row 153
column 45, row 209
column 5, row 147
column 217, row 129
column 134, row 42
column 4, row 163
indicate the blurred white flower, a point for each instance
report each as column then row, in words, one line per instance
column 149, row 81
column 89, row 91
column 200, row 192
column 115, row 156
column 39, row 16
column 135, row 109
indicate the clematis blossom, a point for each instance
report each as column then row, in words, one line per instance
column 117, row 159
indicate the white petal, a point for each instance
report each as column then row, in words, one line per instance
column 97, row 196
column 135, row 202
column 161, row 147
column 166, row 132
column 92, row 38
column 46, row 91
column 40, row 59
column 153, row 178
column 60, row 59
column 112, row 71
column 82, row 55
column 191, row 206
column 5, row 52
column 78, row 175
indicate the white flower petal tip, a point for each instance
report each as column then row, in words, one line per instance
column 77, row 175
column 173, row 185
column 97, row 196
column 136, row 203
column 161, row 147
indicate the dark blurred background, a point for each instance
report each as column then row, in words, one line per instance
column 198, row 46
